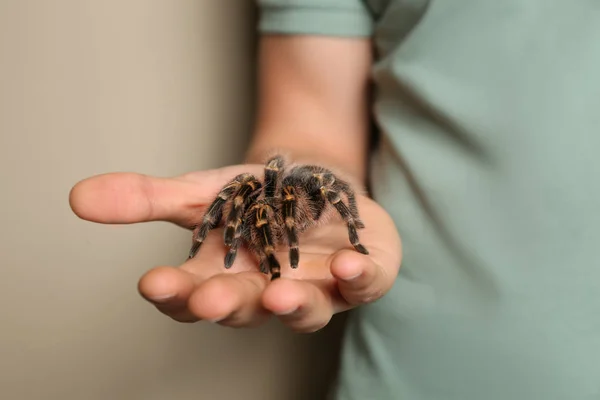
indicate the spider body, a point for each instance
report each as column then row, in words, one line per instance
column 268, row 214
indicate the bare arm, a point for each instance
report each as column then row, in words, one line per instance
column 313, row 101
column 313, row 106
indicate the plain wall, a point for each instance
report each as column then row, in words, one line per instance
column 157, row 87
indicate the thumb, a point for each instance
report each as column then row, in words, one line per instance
column 125, row 198
column 360, row 279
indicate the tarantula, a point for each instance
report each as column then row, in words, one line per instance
column 264, row 215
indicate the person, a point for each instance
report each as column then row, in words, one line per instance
column 486, row 165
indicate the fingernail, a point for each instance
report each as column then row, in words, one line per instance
column 215, row 320
column 161, row 298
column 351, row 277
column 286, row 312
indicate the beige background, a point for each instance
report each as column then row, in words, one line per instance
column 159, row 87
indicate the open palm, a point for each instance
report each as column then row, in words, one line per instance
column 331, row 277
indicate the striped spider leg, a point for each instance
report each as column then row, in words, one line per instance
column 262, row 236
column 306, row 192
column 242, row 189
column 263, row 220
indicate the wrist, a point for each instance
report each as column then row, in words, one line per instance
column 352, row 169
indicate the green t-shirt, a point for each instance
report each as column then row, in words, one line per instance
column 489, row 113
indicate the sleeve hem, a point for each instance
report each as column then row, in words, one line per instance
column 315, row 21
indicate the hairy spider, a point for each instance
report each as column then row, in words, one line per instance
column 268, row 214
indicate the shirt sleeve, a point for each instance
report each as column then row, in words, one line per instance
column 348, row 18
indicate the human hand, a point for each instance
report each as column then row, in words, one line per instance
column 332, row 277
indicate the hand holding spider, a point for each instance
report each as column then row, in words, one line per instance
column 264, row 215
column 331, row 277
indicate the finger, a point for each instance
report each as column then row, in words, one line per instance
column 360, row 279
column 301, row 305
column 231, row 299
column 123, row 198
column 169, row 289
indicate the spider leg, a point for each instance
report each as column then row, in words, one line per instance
column 263, row 263
column 318, row 203
column 273, row 168
column 213, row 215
column 251, row 238
column 310, row 177
column 289, row 203
column 334, row 198
column 343, row 186
column 233, row 248
column 240, row 235
column 262, row 259
column 264, row 232
column 235, row 221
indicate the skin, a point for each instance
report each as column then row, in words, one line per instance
column 313, row 107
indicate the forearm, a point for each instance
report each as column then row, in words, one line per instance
column 312, row 102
